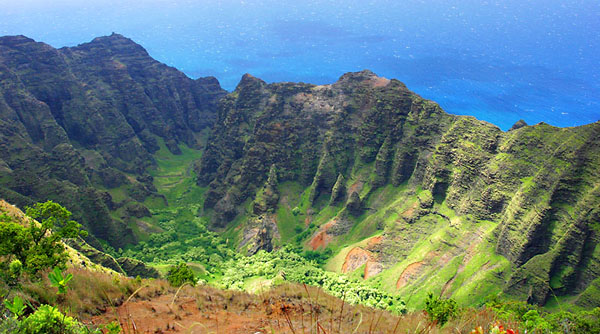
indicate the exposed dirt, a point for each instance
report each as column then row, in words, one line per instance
column 374, row 242
column 147, row 228
column 411, row 272
column 409, row 213
column 322, row 238
column 286, row 309
column 160, row 315
column 356, row 258
column 372, row 268
column 379, row 82
column 356, row 187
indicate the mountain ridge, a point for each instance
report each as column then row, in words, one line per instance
column 96, row 112
column 378, row 136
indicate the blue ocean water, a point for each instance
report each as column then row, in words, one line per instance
column 500, row 61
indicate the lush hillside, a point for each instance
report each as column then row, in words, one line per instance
column 80, row 125
column 405, row 195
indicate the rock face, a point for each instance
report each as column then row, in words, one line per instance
column 540, row 184
column 75, row 119
column 134, row 268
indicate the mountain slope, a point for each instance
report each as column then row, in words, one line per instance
column 76, row 121
column 408, row 196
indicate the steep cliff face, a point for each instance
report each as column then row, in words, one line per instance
column 313, row 134
column 368, row 157
column 77, row 119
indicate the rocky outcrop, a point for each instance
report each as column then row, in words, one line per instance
column 134, row 268
column 75, row 119
column 518, row 124
column 312, row 134
column 338, row 192
column 267, row 198
column 354, row 204
column 259, row 234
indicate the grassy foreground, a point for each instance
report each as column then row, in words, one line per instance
column 142, row 306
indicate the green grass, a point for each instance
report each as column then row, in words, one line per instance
column 174, row 177
column 287, row 222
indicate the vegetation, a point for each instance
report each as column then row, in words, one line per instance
column 440, row 310
column 538, row 320
column 181, row 274
column 38, row 246
column 285, row 265
column 48, row 319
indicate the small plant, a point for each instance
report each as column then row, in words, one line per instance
column 113, row 328
column 440, row 310
column 181, row 274
column 17, row 307
column 58, row 280
column 49, row 320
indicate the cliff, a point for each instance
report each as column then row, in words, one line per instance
column 77, row 121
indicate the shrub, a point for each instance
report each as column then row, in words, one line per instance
column 58, row 280
column 38, row 246
column 439, row 309
column 181, row 274
column 49, row 320
column 296, row 211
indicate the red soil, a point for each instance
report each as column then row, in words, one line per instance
column 286, row 309
column 372, row 268
column 322, row 239
column 411, row 272
column 356, row 258
column 374, row 241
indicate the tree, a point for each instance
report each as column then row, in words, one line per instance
column 38, row 246
column 54, row 224
column 181, row 274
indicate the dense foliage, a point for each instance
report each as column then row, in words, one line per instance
column 195, row 243
column 537, row 320
column 285, row 265
column 439, row 309
column 181, row 274
column 48, row 319
column 37, row 246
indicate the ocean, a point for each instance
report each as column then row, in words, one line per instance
column 499, row 61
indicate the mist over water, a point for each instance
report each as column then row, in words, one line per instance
column 499, row 61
